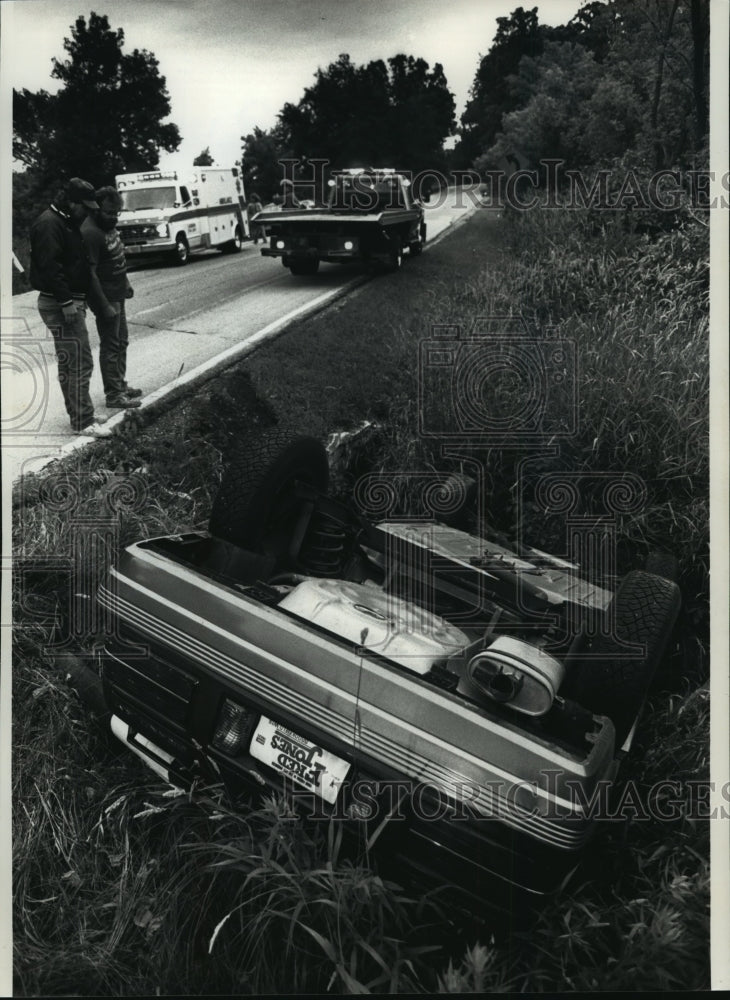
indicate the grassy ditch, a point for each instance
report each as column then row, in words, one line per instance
column 124, row 888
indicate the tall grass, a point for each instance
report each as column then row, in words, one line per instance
column 280, row 904
column 637, row 310
column 125, row 888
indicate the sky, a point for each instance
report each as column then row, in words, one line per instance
column 232, row 64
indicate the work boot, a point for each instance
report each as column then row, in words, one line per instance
column 94, row 430
column 132, row 393
column 122, row 403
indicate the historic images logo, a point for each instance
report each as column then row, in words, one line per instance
column 496, row 384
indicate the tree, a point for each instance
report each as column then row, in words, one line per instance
column 496, row 91
column 625, row 79
column 395, row 114
column 491, row 96
column 700, row 25
column 552, row 90
column 650, row 57
column 260, row 164
column 204, row 159
column 342, row 117
column 422, row 113
column 106, row 119
column 30, row 114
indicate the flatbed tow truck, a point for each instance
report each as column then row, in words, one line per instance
column 370, row 216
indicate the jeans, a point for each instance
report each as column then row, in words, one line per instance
column 113, row 342
column 73, row 353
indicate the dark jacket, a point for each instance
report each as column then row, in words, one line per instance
column 58, row 261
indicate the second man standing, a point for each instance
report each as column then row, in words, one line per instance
column 110, row 288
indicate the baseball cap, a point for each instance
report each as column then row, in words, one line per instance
column 81, row 192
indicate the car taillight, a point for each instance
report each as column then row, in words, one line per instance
column 234, row 728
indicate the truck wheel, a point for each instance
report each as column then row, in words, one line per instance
column 256, row 502
column 304, row 267
column 613, row 680
column 395, row 258
column 234, row 245
column 416, row 247
column 182, row 251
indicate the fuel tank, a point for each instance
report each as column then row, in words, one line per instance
column 362, row 613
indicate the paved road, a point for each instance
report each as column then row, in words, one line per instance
column 181, row 318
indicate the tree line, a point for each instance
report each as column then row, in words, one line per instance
column 623, row 78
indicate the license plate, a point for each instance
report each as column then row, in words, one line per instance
column 304, row 762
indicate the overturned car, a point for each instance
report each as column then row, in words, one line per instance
column 456, row 704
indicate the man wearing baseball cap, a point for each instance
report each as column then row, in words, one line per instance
column 60, row 271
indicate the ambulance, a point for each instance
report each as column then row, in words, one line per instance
column 168, row 213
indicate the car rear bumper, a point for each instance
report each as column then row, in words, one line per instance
column 482, row 861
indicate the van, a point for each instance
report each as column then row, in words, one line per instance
column 173, row 214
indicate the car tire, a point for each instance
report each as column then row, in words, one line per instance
column 182, row 250
column 256, row 495
column 235, row 245
column 613, row 679
column 304, row 267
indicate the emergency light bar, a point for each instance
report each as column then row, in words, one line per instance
column 354, row 171
column 170, row 175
